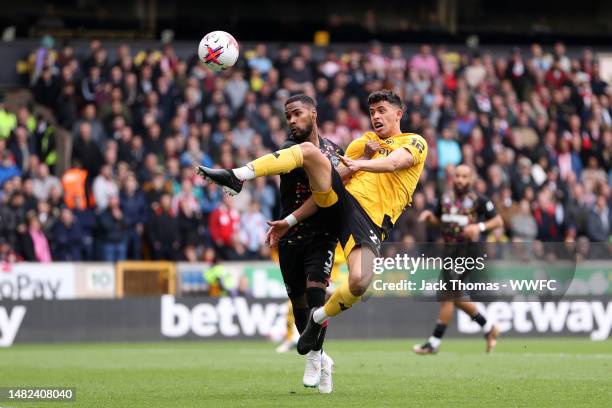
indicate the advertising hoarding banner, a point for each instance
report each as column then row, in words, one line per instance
column 33, row 280
column 200, row 318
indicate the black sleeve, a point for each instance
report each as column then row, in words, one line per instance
column 485, row 208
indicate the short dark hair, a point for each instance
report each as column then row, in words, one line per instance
column 385, row 95
column 305, row 99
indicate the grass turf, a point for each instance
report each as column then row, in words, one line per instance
column 520, row 373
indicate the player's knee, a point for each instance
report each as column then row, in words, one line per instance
column 310, row 152
column 316, row 282
column 307, row 148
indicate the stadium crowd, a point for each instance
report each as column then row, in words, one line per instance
column 535, row 124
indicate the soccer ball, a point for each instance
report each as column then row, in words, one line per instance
column 218, row 50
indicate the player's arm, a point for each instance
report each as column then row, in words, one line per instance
column 486, row 210
column 279, row 229
column 412, row 151
column 360, row 149
column 493, row 223
column 307, row 209
column 397, row 160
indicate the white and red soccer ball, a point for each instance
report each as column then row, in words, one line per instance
column 218, row 50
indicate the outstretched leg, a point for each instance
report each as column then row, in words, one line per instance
column 306, row 155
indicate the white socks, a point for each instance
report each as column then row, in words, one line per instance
column 244, row 173
column 315, row 354
column 487, row 327
column 319, row 315
column 434, row 341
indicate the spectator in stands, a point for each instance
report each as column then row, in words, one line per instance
column 87, row 222
column 87, row 152
column 425, row 61
column 12, row 217
column 43, row 182
column 104, row 187
column 7, row 252
column 253, row 229
column 74, row 183
column 8, row 169
column 260, row 60
column 112, row 227
column 66, row 107
column 136, row 213
column 223, row 224
column 30, row 201
column 34, row 243
column 163, row 230
column 449, row 152
column 211, row 198
column 523, row 225
column 236, row 89
column 549, row 217
column 67, row 238
column 599, row 224
column 96, row 130
column 47, row 88
column 189, row 221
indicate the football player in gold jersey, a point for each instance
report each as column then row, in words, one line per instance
column 360, row 213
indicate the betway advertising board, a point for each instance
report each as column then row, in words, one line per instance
column 170, row 318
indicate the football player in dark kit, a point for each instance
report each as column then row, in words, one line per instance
column 306, row 249
column 463, row 215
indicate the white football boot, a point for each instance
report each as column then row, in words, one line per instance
column 312, row 371
column 326, row 384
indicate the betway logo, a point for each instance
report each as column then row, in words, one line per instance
column 10, row 323
column 594, row 318
column 229, row 317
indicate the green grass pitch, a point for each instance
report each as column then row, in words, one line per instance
column 520, row 373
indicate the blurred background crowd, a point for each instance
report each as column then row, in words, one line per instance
column 535, row 123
